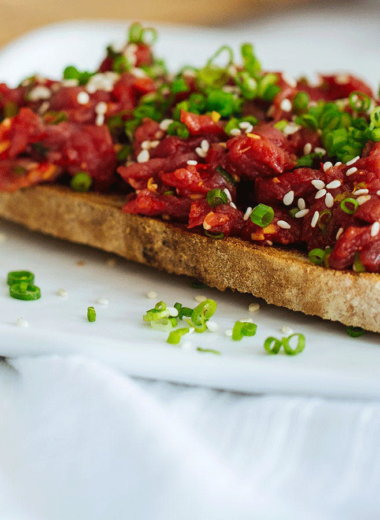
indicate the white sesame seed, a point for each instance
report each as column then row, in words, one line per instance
column 154, row 144
column 22, row 323
column 247, row 213
column 286, row 105
column 152, row 295
column 165, row 123
column 342, row 79
column 145, row 145
column 288, row 198
column 351, row 171
column 364, row 198
column 228, row 332
column 353, row 161
column 143, row 156
column 205, row 145
column 212, row 326
column 186, row 345
column 83, row 98
column 375, row 228
column 173, row 312
column 205, row 225
column 286, row 330
column 289, row 80
column 284, row 225
column 253, row 307
column 320, row 194
column 38, row 93
column 337, row 163
column 233, row 205
column 191, row 330
column 62, row 293
column 192, row 163
column 307, row 148
column 378, row 193
column 159, row 134
column 249, row 129
column 314, row 220
column 302, row 213
column 291, row 128
column 244, row 124
column 363, row 191
column 227, row 192
column 318, row 149
column 334, row 184
column 247, row 320
column 200, row 152
column 102, row 301
column 235, row 132
column 329, row 200
column 319, row 185
column 340, row 231
column 301, row 204
column 327, row 166
column 99, row 120
column 3, row 238
column 200, row 298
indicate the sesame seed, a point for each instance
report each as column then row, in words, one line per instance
column 289, row 80
column 318, row 149
column 249, row 129
column 83, row 98
column 22, row 323
column 351, row 171
column 329, row 200
column 247, row 213
column 191, row 330
column 302, row 213
column 192, row 163
column 301, row 204
column 320, row 194
column 227, row 192
column 337, row 163
column 228, row 333
column 334, row 184
column 233, row 205
column 253, row 307
column 291, row 128
column 284, row 225
column 143, row 156
column 186, row 345
column 154, row 144
column 212, row 326
column 206, row 225
column 235, row 132
column 340, row 231
column 286, row 105
column 200, row 152
column 318, row 184
column 307, row 148
column 342, row 79
column 286, row 330
column 375, row 228
column 173, row 312
column 165, row 123
column 314, row 220
column 62, row 293
column 38, row 93
column 327, row 166
column 248, row 320
column 364, row 198
column 152, row 295
column 102, row 301
column 363, row 191
column 288, row 198
column 244, row 124
column 200, row 298
column 99, row 120
column 205, row 145
column 353, row 161
column 101, row 108
column 378, row 193
column 145, row 145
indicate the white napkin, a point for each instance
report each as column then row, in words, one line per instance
column 81, row 441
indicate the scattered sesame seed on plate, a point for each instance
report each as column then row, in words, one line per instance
column 63, row 293
column 212, row 326
column 152, row 295
column 173, row 312
column 253, row 307
column 186, row 345
column 22, row 323
column 228, row 333
column 102, row 301
column 200, row 298
column 286, row 330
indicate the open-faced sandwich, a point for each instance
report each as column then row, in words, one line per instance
column 237, row 176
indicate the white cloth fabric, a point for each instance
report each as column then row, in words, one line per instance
column 81, row 441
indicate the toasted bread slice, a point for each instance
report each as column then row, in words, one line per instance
column 280, row 276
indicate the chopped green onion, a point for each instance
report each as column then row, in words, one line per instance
column 293, row 212
column 183, row 311
column 197, row 285
column 317, row 256
column 242, row 328
column 159, row 312
column 359, row 101
column 225, row 103
column 179, row 85
column 217, row 236
column 281, row 125
column 324, row 219
column 347, row 209
column 300, row 102
column 354, row 332
column 272, row 345
column 81, row 182
column 247, row 85
column 25, row 291
column 225, row 49
column 178, row 129
column 91, row 314
column 20, row 276
column 289, row 350
column 10, row 109
column 375, row 117
column 251, row 64
column 138, row 34
column 164, row 324
column 267, row 87
column 202, row 313
column 224, row 173
column 72, row 72
column 216, row 197
column 358, row 266
column 120, row 64
column 160, row 306
column 176, row 335
column 208, row 350
column 262, row 215
column 54, row 118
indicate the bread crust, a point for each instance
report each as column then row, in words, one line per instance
column 280, row 276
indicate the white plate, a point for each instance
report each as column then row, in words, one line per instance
column 332, row 364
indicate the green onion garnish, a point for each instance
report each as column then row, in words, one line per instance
column 81, row 182
column 91, row 314
column 176, row 335
column 208, row 350
column 358, row 266
column 355, row 332
column 183, row 311
column 324, row 219
column 289, row 350
column 25, row 291
column 300, row 102
column 216, row 197
column 20, row 276
column 359, row 101
column 214, row 235
column 272, row 345
column 317, row 256
column 242, row 328
column 262, row 215
column 226, row 175
column 159, row 312
column 164, row 324
column 347, row 209
column 201, row 314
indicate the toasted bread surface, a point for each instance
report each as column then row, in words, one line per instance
column 280, row 276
